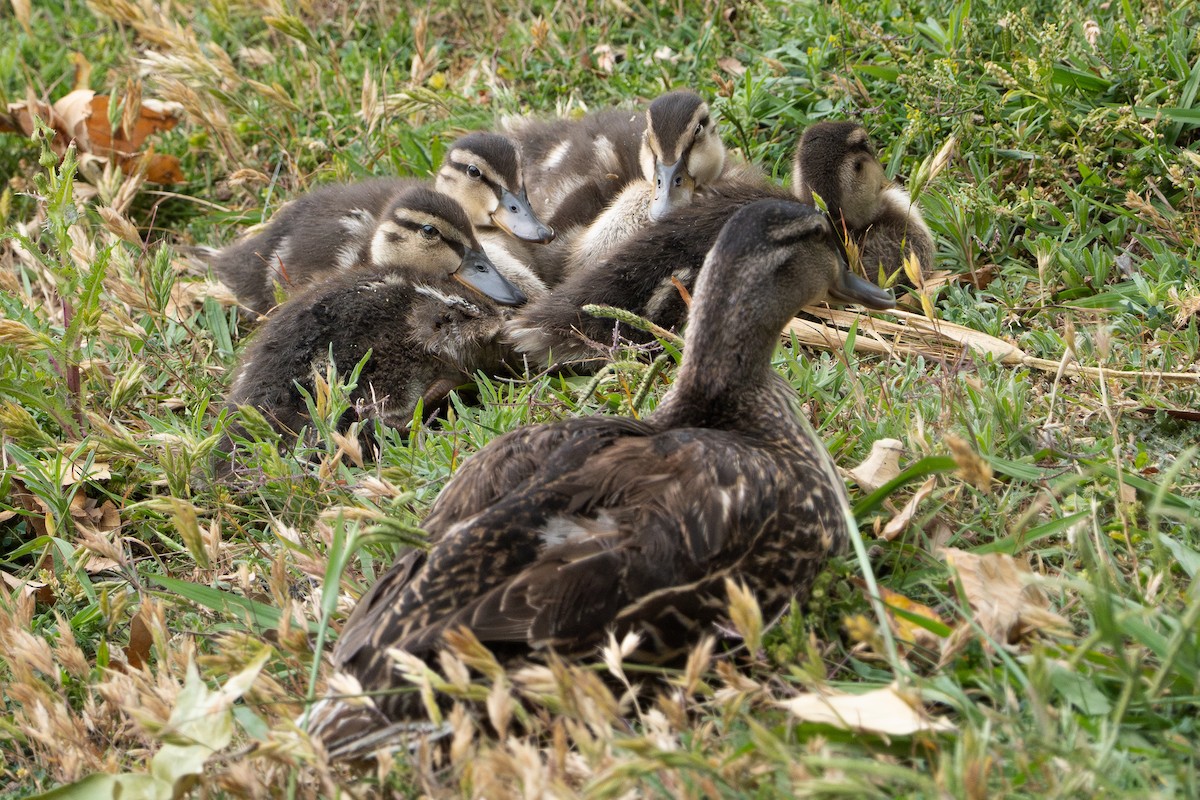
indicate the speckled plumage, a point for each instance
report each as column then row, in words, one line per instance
column 419, row 307
column 834, row 159
column 329, row 229
column 554, row 534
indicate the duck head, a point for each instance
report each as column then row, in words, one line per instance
column 838, row 162
column 429, row 232
column 482, row 171
column 681, row 151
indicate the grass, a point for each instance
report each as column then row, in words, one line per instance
column 1067, row 222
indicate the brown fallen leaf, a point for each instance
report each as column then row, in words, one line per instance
column 898, row 523
column 1002, row 592
column 889, row 711
column 137, row 652
column 38, row 590
column 971, row 466
column 81, row 116
column 881, row 466
column 732, row 66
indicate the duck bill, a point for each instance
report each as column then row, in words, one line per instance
column 478, row 272
column 849, row 288
column 673, row 188
column 515, row 217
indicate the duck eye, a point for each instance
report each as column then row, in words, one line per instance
column 474, row 172
column 699, row 129
column 429, row 232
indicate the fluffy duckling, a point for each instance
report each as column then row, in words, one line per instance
column 838, row 162
column 597, row 154
column 681, row 154
column 642, row 275
column 646, row 273
column 553, row 535
column 330, row 228
column 603, row 195
column 427, row 307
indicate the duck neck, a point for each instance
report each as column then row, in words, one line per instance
column 726, row 370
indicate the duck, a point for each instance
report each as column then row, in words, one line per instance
column 554, row 535
column 598, row 153
column 681, row 154
column 601, row 179
column 428, row 305
column 880, row 223
column 652, row 273
column 330, row 228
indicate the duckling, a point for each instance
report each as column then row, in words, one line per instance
column 330, row 228
column 426, row 305
column 645, row 274
column 679, row 152
column 838, row 162
column 555, row 534
column 597, row 153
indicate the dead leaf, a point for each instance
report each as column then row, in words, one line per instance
column 81, row 116
column 908, row 633
column 889, row 711
column 137, row 652
column 1002, row 592
column 732, row 66
column 898, row 523
column 606, row 59
column 881, row 466
column 38, row 590
column 971, row 467
column 1188, row 414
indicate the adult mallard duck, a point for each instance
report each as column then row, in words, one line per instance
column 646, row 273
column 330, row 228
column 555, row 534
column 837, row 161
column 427, row 307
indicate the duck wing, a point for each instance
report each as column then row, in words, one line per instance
column 640, row 533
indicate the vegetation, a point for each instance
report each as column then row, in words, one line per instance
column 165, row 630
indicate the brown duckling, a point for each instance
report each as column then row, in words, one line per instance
column 426, row 306
column 837, row 160
column 646, row 273
column 330, row 228
column 554, row 535
column 679, row 152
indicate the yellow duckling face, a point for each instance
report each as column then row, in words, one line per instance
column 428, row 232
column 482, row 171
column 682, row 150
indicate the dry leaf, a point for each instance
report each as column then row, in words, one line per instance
column 137, row 652
column 881, row 466
column 606, row 59
column 908, row 633
column 38, row 590
column 732, row 66
column 81, row 116
column 898, row 523
column 1003, row 594
column 971, row 468
column 888, row 712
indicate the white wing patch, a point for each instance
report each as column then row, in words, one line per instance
column 563, row 529
column 556, row 156
column 450, row 300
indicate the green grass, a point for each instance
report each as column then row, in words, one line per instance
column 1068, row 219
